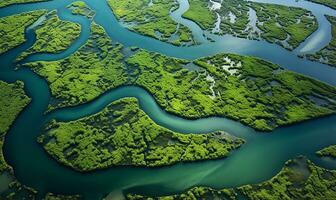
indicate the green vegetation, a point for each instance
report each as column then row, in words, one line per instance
column 122, row 134
column 151, row 18
column 12, row 101
column 251, row 90
column 299, row 179
column 247, row 89
column 235, row 19
column 12, row 28
column 51, row 196
column 328, row 54
column 329, row 3
column 328, row 152
column 80, row 8
column 93, row 69
column 287, row 26
column 53, row 35
column 196, row 193
column 4, row 3
column 200, row 13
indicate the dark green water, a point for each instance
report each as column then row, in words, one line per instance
column 261, row 158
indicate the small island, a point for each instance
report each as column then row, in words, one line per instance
column 122, row 134
column 329, row 151
column 151, row 18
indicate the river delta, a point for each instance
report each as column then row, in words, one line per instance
column 165, row 99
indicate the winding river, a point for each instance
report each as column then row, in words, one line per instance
column 258, row 160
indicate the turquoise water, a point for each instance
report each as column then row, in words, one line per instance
column 261, row 158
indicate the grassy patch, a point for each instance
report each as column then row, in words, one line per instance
column 93, row 69
column 12, row 29
column 4, row 3
column 278, row 22
column 152, row 19
column 200, row 13
column 53, row 36
column 284, row 25
column 247, row 89
column 51, row 196
column 12, row 101
column 81, row 8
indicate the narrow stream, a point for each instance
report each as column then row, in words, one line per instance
column 260, row 159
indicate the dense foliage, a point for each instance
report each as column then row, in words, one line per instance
column 12, row 101
column 284, row 25
column 247, row 89
column 200, row 8
column 4, row 3
column 151, row 18
column 287, row 26
column 51, row 196
column 12, row 28
column 244, row 88
column 122, row 134
column 93, row 69
column 80, row 8
column 54, row 35
column 329, row 151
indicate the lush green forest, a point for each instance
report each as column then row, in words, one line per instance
column 329, row 151
column 122, row 134
column 151, row 18
column 284, row 25
column 251, row 90
column 12, row 100
column 197, row 8
column 4, row 3
column 12, row 29
column 80, row 8
column 93, row 69
column 53, row 35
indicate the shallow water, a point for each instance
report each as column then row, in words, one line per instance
column 261, row 158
